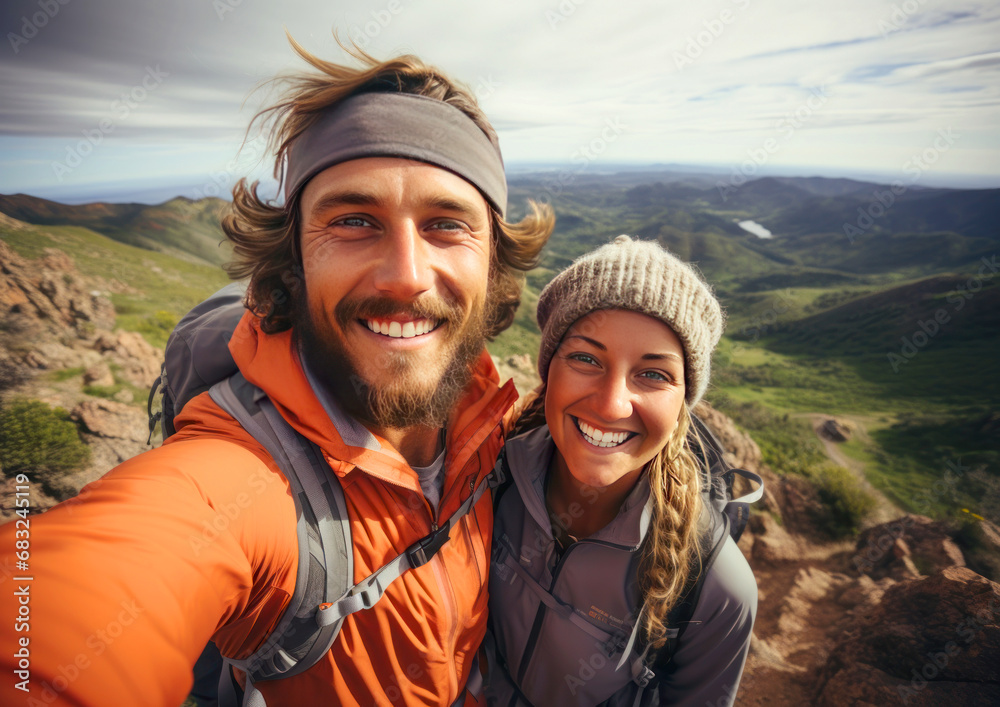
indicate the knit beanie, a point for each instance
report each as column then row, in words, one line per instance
column 639, row 276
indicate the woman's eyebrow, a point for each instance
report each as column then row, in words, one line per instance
column 596, row 344
column 661, row 356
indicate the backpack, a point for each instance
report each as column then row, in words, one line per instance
column 566, row 628
column 197, row 359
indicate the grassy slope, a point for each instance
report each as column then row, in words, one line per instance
column 164, row 287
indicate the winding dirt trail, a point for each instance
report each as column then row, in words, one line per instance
column 886, row 510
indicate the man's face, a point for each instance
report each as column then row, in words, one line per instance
column 396, row 257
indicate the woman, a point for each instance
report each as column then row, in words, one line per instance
column 597, row 537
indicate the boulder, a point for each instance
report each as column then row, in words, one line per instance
column 835, row 430
column 138, row 361
column 912, row 545
column 99, row 374
column 927, row 642
column 111, row 419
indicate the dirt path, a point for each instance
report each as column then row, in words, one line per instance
column 886, row 510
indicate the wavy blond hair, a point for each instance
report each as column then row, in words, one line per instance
column 265, row 236
column 671, row 548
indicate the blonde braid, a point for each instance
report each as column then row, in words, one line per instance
column 672, row 545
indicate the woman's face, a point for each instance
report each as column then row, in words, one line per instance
column 614, row 394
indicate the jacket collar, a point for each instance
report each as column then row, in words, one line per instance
column 529, row 456
column 271, row 362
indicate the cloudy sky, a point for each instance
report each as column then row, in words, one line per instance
column 142, row 99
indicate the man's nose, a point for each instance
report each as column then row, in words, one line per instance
column 613, row 400
column 404, row 270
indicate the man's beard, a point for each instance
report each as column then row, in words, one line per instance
column 398, row 397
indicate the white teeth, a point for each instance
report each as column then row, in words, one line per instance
column 398, row 330
column 602, row 439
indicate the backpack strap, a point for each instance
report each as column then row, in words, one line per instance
column 325, row 564
column 366, row 593
column 304, row 635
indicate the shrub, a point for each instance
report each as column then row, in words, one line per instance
column 845, row 498
column 39, row 440
column 156, row 327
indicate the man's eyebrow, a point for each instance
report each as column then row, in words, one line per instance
column 445, row 203
column 348, row 198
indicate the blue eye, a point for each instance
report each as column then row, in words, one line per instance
column 582, row 358
column 353, row 222
column 448, row 225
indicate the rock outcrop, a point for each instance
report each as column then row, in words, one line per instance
column 59, row 338
column 933, row 641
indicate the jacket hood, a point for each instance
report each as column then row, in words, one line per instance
column 272, row 363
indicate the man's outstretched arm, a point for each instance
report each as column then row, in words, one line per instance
column 125, row 584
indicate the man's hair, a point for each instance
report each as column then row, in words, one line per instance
column 265, row 236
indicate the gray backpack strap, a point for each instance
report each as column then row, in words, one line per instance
column 323, row 594
column 325, row 557
column 368, row 591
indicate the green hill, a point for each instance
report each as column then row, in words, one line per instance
column 183, row 228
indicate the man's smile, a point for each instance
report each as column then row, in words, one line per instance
column 401, row 329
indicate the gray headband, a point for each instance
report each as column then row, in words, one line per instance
column 398, row 125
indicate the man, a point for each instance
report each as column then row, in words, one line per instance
column 372, row 291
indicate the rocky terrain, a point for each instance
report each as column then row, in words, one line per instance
column 58, row 338
column 891, row 617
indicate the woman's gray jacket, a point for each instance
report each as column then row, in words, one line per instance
column 576, row 650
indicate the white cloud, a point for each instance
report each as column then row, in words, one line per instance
column 558, row 70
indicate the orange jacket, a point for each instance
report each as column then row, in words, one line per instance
column 196, row 540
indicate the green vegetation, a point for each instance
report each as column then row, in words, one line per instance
column 67, row 373
column 789, row 446
column 897, row 329
column 150, row 289
column 156, row 327
column 39, row 440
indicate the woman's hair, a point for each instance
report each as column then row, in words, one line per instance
column 265, row 237
column 671, row 545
